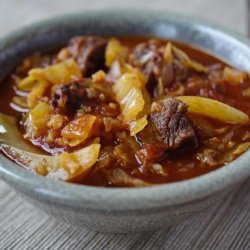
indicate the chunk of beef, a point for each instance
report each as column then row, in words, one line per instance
column 84, row 94
column 169, row 120
column 148, row 57
column 89, row 52
column 168, row 129
column 68, row 98
column 173, row 73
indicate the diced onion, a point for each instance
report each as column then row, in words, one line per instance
column 38, row 118
column 73, row 165
column 78, row 130
column 66, row 166
column 36, row 93
column 171, row 50
column 27, row 83
column 115, row 51
column 63, row 72
column 138, row 125
column 234, row 76
column 129, row 91
column 125, row 83
column 132, row 104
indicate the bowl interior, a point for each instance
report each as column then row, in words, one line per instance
column 52, row 34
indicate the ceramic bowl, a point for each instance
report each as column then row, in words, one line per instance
column 124, row 209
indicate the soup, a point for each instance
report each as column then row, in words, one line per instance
column 124, row 112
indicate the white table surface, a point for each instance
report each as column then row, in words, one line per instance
column 225, row 226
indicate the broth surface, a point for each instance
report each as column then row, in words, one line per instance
column 200, row 144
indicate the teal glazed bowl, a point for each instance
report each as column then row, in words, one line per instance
column 122, row 210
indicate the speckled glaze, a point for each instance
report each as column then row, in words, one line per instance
column 123, row 210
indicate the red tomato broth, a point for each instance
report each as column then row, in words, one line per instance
column 182, row 164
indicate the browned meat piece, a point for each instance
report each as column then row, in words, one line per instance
column 148, row 57
column 84, row 94
column 89, row 52
column 168, row 129
column 68, row 98
column 174, row 73
column 173, row 127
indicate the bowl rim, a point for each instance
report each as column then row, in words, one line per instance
column 126, row 199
